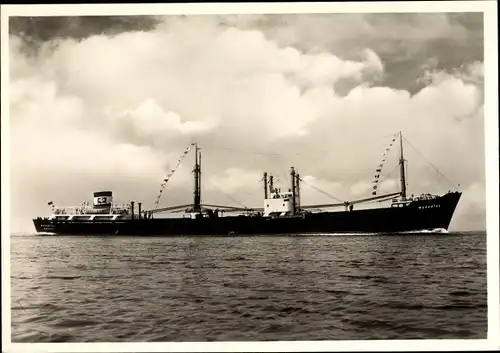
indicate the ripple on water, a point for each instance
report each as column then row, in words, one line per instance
column 247, row 288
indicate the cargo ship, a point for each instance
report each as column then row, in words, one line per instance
column 282, row 212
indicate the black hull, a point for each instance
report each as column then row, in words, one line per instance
column 419, row 215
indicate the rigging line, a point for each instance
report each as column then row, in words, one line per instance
column 280, row 160
column 226, row 194
column 388, row 175
column 253, row 189
column 432, row 165
column 323, row 192
column 406, row 174
column 320, row 152
column 242, row 151
column 171, row 173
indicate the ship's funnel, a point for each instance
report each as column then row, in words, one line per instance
column 103, row 199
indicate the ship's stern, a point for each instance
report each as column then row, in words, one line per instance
column 43, row 225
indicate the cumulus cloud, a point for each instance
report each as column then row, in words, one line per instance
column 116, row 111
column 149, row 119
column 233, row 179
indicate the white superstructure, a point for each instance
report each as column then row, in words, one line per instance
column 279, row 204
column 101, row 209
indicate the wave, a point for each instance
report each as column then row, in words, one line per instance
column 26, row 234
column 427, row 231
column 418, row 231
column 335, row 234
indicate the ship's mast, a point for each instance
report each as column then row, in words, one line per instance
column 297, row 190
column 265, row 185
column 294, row 194
column 197, row 179
column 402, row 168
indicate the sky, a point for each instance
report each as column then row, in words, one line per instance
column 111, row 103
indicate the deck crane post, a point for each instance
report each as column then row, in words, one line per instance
column 197, row 179
column 402, row 167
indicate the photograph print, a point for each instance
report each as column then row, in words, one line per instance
column 244, row 177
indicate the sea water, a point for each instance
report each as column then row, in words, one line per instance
column 336, row 287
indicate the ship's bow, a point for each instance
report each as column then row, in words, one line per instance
column 449, row 204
